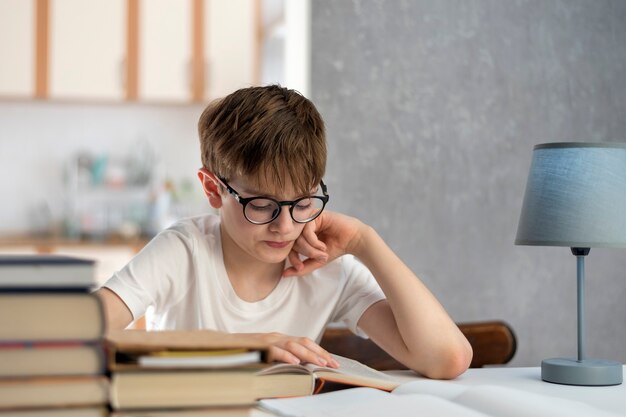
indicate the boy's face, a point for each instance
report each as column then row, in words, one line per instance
column 269, row 243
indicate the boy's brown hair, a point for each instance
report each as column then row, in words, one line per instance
column 265, row 134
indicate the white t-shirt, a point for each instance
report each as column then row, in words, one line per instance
column 181, row 274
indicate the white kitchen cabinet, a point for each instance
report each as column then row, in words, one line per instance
column 165, row 50
column 87, row 49
column 230, row 46
column 17, row 48
column 90, row 52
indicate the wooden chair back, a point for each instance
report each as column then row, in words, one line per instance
column 493, row 342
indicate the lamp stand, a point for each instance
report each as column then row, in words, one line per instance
column 581, row 370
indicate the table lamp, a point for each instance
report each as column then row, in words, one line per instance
column 576, row 197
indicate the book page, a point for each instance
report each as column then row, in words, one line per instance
column 500, row 401
column 285, row 368
column 366, row 402
column 351, row 372
column 442, row 389
column 355, row 368
column 346, row 367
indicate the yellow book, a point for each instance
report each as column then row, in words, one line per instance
column 227, row 358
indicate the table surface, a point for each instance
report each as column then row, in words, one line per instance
column 610, row 398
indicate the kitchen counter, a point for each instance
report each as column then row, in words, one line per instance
column 47, row 244
column 110, row 254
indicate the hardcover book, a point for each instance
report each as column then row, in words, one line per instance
column 151, row 389
column 53, row 392
column 45, row 271
column 60, row 412
column 235, row 411
column 50, row 316
column 21, row 359
column 127, row 349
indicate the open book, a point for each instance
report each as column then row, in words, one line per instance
column 430, row 397
column 288, row 380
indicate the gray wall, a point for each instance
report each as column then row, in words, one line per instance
column 432, row 109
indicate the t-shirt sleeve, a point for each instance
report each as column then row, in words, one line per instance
column 360, row 291
column 157, row 276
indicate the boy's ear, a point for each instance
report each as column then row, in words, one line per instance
column 210, row 185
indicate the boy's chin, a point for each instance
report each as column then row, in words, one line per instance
column 275, row 256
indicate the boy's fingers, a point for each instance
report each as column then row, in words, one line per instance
column 300, row 349
column 289, row 272
column 310, row 247
column 307, row 351
column 303, row 247
column 308, row 266
column 311, row 237
column 294, row 259
column 321, row 352
column 277, row 354
column 296, row 264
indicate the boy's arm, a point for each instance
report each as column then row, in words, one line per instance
column 117, row 314
column 411, row 325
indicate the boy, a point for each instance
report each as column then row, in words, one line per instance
column 275, row 264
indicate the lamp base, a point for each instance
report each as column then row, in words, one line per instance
column 588, row 372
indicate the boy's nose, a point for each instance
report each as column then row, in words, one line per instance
column 283, row 223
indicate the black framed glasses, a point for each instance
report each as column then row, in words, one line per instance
column 263, row 210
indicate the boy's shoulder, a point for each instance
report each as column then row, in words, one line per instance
column 204, row 222
column 201, row 227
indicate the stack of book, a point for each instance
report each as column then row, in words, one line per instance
column 207, row 373
column 52, row 360
column 183, row 372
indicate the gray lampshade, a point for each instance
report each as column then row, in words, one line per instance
column 575, row 196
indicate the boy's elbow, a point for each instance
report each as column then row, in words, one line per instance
column 456, row 362
column 449, row 363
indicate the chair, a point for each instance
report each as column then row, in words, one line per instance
column 493, row 342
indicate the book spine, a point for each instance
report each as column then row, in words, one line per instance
column 47, row 344
column 45, row 290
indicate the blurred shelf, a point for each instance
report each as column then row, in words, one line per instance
column 49, row 244
column 110, row 254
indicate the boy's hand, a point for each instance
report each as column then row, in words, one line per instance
column 322, row 240
column 291, row 349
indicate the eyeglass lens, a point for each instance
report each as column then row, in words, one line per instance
column 263, row 210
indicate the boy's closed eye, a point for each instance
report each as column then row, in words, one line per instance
column 262, row 206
